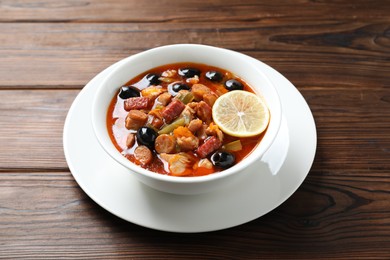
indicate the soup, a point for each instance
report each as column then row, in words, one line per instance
column 162, row 120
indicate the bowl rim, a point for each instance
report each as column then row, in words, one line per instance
column 110, row 149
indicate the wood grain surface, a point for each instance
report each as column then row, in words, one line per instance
column 337, row 54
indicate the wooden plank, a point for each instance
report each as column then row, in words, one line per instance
column 328, row 54
column 187, row 11
column 352, row 129
column 31, row 126
column 45, row 214
column 336, row 52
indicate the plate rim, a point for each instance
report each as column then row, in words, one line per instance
column 85, row 188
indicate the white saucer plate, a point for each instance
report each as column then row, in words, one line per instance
column 261, row 188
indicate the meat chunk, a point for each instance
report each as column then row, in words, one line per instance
column 209, row 146
column 164, row 98
column 156, row 122
column 179, row 164
column 188, row 113
column 201, row 133
column 193, row 80
column 165, row 144
column 185, row 139
column 136, row 103
column 130, row 140
column 135, row 119
column 210, row 98
column 172, row 111
column 203, row 167
column 152, row 92
column 143, row 155
column 204, row 112
column 155, row 118
column 213, row 129
column 169, row 73
column 188, row 143
column 205, row 163
column 198, row 90
column 195, row 125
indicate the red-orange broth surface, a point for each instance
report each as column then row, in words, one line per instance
column 179, row 160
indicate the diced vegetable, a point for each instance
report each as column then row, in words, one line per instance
column 172, row 126
column 151, row 126
column 182, row 131
column 185, row 97
column 233, row 146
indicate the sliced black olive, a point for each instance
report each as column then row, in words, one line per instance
column 223, row 159
column 214, row 76
column 153, row 78
column 128, row 91
column 189, row 72
column 233, row 84
column 146, row 136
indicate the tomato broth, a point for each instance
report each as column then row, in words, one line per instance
column 161, row 120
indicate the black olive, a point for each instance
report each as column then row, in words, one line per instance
column 223, row 159
column 189, row 72
column 174, row 88
column 153, row 78
column 233, row 84
column 214, row 76
column 146, row 136
column 128, row 91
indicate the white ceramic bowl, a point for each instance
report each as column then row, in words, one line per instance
column 237, row 63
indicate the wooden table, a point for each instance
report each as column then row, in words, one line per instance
column 337, row 54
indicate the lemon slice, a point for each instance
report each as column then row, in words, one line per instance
column 241, row 113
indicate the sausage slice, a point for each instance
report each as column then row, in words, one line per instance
column 165, row 144
column 209, row 146
column 143, row 155
column 173, row 110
